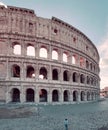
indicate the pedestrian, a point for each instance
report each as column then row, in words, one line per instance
column 66, row 124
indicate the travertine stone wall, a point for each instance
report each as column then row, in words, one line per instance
column 64, row 81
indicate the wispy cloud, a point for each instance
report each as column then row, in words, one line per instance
column 103, row 51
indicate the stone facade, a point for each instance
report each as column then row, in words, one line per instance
column 45, row 60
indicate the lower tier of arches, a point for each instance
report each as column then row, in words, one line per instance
column 49, row 95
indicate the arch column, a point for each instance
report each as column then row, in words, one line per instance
column 8, row 96
column 71, row 96
column 49, row 96
column 85, row 96
column 22, row 96
column 61, row 97
column 50, row 73
column 79, row 97
column 61, row 74
column 36, row 95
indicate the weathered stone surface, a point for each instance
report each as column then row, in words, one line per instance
column 69, row 66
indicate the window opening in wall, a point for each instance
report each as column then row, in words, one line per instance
column 73, row 59
column 87, row 64
column 65, row 76
column 30, row 50
column 55, row 31
column 17, row 49
column 43, row 73
column 81, row 62
column 16, row 71
column 74, row 39
column 43, row 52
column 75, row 77
column 30, row 95
column 15, row 95
column 43, row 95
column 87, row 48
column 55, row 74
column 30, row 27
column 82, row 78
column 75, row 96
column 88, row 80
column 65, row 57
column 54, row 55
column 30, row 72
column 55, row 96
column 66, row 95
column 82, row 96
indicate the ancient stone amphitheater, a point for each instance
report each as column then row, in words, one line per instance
column 45, row 60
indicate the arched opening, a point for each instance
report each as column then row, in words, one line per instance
column 88, row 80
column 15, row 71
column 43, row 73
column 73, row 59
column 82, row 96
column 15, row 95
column 82, row 78
column 87, row 64
column 75, row 77
column 54, row 55
column 17, row 49
column 43, row 52
column 75, row 96
column 43, row 95
column 65, row 75
column 30, row 27
column 88, row 96
column 66, row 95
column 81, row 62
column 55, row 74
column 65, row 57
column 30, row 72
column 30, row 50
column 55, row 96
column 30, row 95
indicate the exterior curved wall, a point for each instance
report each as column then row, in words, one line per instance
column 67, row 72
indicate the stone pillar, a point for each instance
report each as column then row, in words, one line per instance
column 71, row 97
column 7, row 68
column 36, row 95
column 50, row 73
column 85, row 97
column 49, row 96
column 79, row 97
column 61, row 97
column 22, row 95
column 8, row 96
column 61, row 74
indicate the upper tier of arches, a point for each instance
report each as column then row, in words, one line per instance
column 56, row 54
column 27, row 23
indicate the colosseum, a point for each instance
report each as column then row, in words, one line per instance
column 45, row 60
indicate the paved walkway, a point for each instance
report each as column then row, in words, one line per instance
column 89, row 116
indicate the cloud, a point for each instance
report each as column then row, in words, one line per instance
column 103, row 52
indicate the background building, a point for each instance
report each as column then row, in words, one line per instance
column 104, row 92
column 45, row 60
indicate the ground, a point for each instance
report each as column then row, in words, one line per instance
column 86, row 116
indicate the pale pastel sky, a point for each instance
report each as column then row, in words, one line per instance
column 89, row 16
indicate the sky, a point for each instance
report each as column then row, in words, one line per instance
column 89, row 16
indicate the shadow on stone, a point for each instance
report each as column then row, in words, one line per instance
column 103, row 128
